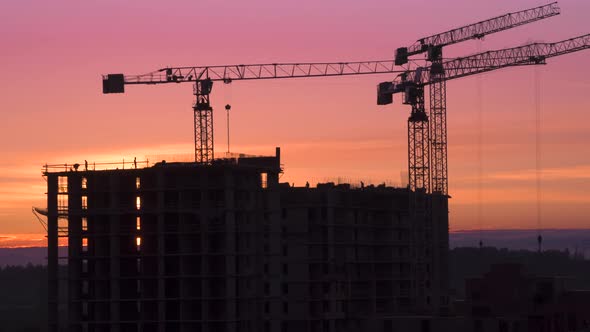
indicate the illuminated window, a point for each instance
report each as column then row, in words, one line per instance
column 263, row 180
column 84, row 183
column 62, row 184
column 62, row 202
column 84, row 224
column 62, row 224
column 138, row 223
column 84, row 202
column 138, row 202
column 137, row 183
column 84, row 244
column 138, row 242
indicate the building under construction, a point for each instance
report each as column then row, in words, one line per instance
column 226, row 247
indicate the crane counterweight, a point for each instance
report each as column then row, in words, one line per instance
column 113, row 83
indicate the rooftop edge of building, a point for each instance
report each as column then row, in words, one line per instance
column 272, row 163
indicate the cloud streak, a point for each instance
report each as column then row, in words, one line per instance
column 581, row 172
column 22, row 240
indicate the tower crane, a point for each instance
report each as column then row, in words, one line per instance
column 412, row 83
column 436, row 134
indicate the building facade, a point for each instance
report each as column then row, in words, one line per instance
column 227, row 248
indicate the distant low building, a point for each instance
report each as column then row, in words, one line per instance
column 507, row 300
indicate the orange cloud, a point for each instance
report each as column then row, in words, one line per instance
column 26, row 240
column 22, row 240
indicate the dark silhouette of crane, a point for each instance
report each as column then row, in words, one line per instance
column 427, row 133
column 412, row 83
column 428, row 144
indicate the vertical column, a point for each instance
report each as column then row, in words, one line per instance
column 438, row 222
column 115, row 252
column 161, row 252
column 440, row 254
column 52, row 255
column 78, row 254
column 205, row 226
column 419, row 171
column 254, row 218
column 279, row 269
column 329, row 243
column 231, row 254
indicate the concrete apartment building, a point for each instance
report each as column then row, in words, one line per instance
column 227, row 248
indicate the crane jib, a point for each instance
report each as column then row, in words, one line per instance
column 476, row 30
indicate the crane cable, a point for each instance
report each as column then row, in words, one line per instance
column 538, row 166
column 479, row 152
column 227, row 91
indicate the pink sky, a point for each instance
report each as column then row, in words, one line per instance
column 52, row 108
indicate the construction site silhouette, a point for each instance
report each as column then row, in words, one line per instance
column 219, row 244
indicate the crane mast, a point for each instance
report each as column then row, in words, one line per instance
column 418, row 138
column 438, row 129
column 203, row 122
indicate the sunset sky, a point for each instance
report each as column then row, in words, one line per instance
column 52, row 109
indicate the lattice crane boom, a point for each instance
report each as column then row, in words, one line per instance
column 114, row 83
column 477, row 30
column 490, row 60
